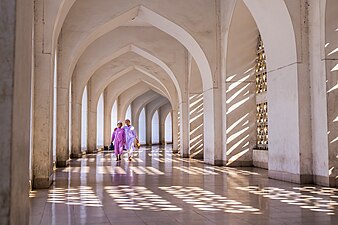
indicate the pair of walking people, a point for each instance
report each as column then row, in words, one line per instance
column 124, row 136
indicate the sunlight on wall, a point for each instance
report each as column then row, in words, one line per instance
column 168, row 129
column 241, row 115
column 100, row 122
column 196, row 126
column 155, row 128
column 178, row 131
column 142, row 127
column 84, row 113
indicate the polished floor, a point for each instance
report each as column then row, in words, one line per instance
column 160, row 188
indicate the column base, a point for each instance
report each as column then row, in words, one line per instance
column 42, row 183
column 184, row 155
column 62, row 163
column 215, row 163
column 238, row 163
column 91, row 151
column 325, row 181
column 75, row 155
column 291, row 177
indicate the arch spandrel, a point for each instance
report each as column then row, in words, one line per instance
column 125, row 80
column 84, row 38
column 104, row 50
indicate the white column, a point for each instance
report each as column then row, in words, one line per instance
column 107, row 119
column 76, row 122
column 148, row 126
column 213, row 133
column 16, row 25
column 161, row 126
column 185, row 129
column 62, row 124
column 92, row 120
column 43, row 108
column 174, row 119
column 134, row 119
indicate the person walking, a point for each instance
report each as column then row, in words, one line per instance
column 131, row 136
column 119, row 139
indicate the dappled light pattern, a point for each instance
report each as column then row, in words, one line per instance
column 82, row 196
column 208, row 201
column 240, row 113
column 196, row 126
column 173, row 190
column 139, row 198
column 232, row 171
column 179, row 131
column 138, row 170
column 165, row 160
column 213, row 170
column 323, row 199
column 193, row 170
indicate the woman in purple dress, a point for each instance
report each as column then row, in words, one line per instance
column 119, row 139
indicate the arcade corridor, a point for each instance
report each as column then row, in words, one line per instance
column 246, row 91
column 158, row 187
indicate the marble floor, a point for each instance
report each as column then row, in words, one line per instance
column 160, row 188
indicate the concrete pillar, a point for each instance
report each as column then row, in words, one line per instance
column 214, row 116
column 332, row 116
column 288, row 108
column 185, row 111
column 213, row 133
column 185, row 129
column 174, row 119
column 148, row 126
column 321, row 81
column 92, row 120
column 76, row 122
column 43, row 108
column 62, row 125
column 120, row 113
column 62, row 115
column 107, row 119
column 161, row 126
column 134, row 119
column 16, row 26
column 331, row 67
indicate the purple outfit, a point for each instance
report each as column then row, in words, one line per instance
column 130, row 138
column 119, row 138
